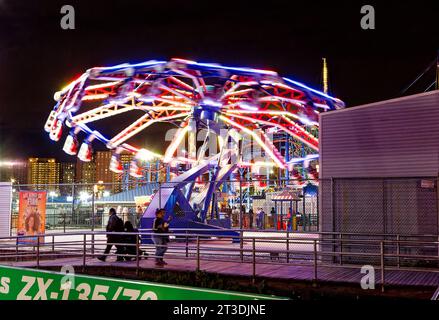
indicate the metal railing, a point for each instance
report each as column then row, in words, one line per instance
column 384, row 251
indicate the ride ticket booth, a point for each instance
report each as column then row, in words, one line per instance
column 286, row 208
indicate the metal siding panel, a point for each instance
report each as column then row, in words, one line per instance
column 391, row 138
column 5, row 209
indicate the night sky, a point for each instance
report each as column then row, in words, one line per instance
column 38, row 58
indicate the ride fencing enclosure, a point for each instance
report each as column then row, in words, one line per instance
column 392, row 208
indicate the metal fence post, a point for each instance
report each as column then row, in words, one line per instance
column 93, row 244
column 240, row 203
column 84, row 252
column 73, row 208
column 38, row 252
column 137, row 256
column 288, row 247
column 333, row 218
column 254, row 260
column 306, row 223
column 241, row 244
column 160, row 195
column 382, row 265
column 187, row 245
column 318, row 211
column 16, row 249
column 198, row 253
column 340, row 236
column 315, row 261
column 93, row 210
column 53, row 243
column 398, row 250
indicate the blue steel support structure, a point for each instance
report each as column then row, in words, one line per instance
column 174, row 193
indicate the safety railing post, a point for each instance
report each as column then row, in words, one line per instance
column 93, row 244
column 16, row 249
column 315, row 261
column 160, row 195
column 340, row 236
column 383, row 280
column 38, row 252
column 53, row 243
column 254, row 259
column 198, row 253
column 137, row 255
column 241, row 245
column 84, row 252
column 288, row 247
column 187, row 245
column 398, row 250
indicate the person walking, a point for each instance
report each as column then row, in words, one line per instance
column 272, row 218
column 251, row 215
column 139, row 213
column 235, row 217
column 290, row 217
column 160, row 237
column 115, row 224
column 243, row 218
column 260, row 219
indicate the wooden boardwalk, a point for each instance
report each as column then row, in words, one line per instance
column 336, row 274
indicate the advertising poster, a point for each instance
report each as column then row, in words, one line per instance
column 31, row 216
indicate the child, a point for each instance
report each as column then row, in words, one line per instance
column 160, row 237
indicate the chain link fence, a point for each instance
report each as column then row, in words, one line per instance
column 345, row 214
column 236, row 204
column 83, row 206
column 389, row 209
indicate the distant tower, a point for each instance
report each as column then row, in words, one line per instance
column 325, row 76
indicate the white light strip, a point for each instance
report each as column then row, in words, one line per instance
column 102, row 85
column 131, row 130
column 257, row 139
column 179, row 136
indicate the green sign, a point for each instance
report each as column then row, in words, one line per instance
column 30, row 284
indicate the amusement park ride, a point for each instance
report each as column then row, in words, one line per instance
column 195, row 96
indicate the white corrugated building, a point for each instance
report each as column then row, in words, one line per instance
column 379, row 165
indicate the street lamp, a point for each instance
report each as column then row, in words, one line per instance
column 95, row 191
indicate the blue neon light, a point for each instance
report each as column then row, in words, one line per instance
column 137, row 65
column 307, row 158
column 309, row 89
column 218, row 66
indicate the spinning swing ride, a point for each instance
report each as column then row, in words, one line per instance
column 194, row 96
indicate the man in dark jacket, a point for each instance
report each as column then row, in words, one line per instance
column 115, row 224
